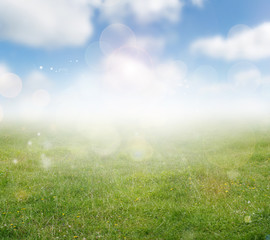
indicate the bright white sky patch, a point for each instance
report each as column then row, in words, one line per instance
column 50, row 23
column 249, row 44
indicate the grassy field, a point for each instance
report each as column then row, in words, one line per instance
column 134, row 183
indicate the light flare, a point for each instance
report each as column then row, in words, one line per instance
column 10, row 85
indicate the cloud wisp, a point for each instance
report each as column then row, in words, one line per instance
column 198, row 3
column 248, row 44
column 143, row 11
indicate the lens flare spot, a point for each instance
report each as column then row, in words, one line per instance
column 21, row 195
column 94, row 57
column 116, row 36
column 245, row 75
column 46, row 162
column 205, row 74
column 247, row 219
column 104, row 138
column 139, row 149
column 41, row 98
column 233, row 175
column 10, row 85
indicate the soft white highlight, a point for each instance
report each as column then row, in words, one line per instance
column 10, row 85
column 41, row 98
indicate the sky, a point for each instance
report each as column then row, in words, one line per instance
column 76, row 59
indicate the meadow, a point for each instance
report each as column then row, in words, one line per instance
column 127, row 182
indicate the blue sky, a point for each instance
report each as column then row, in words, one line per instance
column 54, row 45
column 215, row 17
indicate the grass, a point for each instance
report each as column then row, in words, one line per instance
column 134, row 183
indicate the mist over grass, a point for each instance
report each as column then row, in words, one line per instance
column 104, row 180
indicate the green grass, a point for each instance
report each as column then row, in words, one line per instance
column 134, row 183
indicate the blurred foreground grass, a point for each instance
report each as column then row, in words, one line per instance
column 104, row 182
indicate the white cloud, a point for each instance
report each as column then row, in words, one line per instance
column 144, row 11
column 50, row 23
column 198, row 3
column 250, row 44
